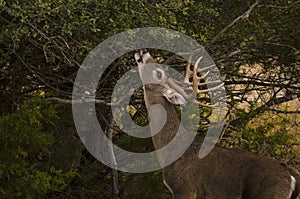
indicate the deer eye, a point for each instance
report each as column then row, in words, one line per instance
column 159, row 75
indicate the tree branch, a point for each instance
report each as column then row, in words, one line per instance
column 239, row 18
column 273, row 101
column 114, row 171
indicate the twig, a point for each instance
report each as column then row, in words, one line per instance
column 77, row 101
column 85, row 100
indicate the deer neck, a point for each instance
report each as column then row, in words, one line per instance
column 164, row 121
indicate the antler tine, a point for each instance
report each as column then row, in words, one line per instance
column 196, row 79
column 188, row 72
column 208, row 90
column 206, row 68
column 211, row 82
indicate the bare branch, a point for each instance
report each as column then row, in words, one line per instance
column 282, row 45
column 273, row 101
column 284, row 112
column 257, row 82
column 114, row 171
column 79, row 101
column 239, row 18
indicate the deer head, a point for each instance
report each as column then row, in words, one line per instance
column 152, row 74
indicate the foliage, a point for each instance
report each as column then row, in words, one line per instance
column 269, row 135
column 26, row 144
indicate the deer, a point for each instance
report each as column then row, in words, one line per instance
column 221, row 174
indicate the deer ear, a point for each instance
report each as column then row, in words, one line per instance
column 174, row 97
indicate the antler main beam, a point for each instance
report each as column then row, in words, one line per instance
column 196, row 80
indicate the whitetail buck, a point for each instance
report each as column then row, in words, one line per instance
column 223, row 173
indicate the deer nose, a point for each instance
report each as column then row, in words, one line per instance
column 142, row 52
column 138, row 57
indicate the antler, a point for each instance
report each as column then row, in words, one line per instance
column 196, row 80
